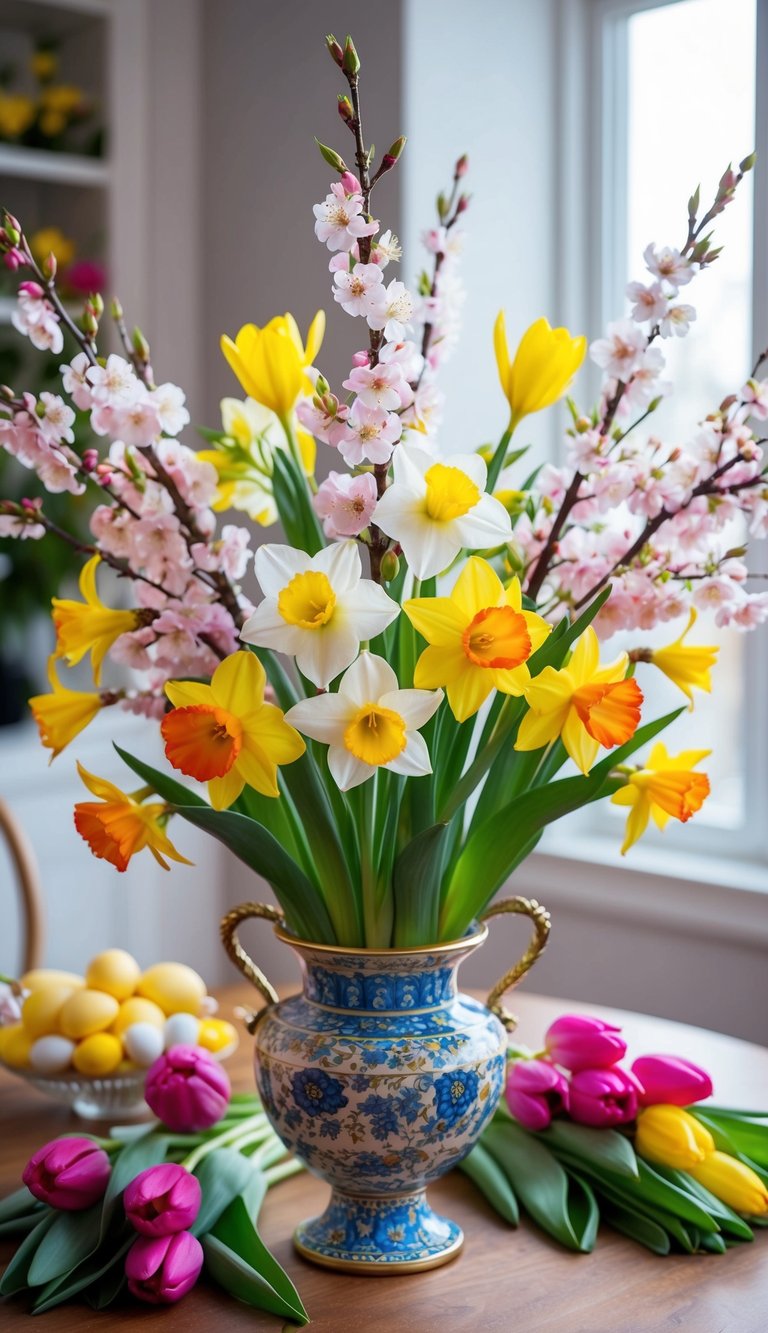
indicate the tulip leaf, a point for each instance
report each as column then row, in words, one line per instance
column 639, row 1228
column 19, row 1204
column 294, row 506
column 222, row 1175
column 747, row 1136
column 592, row 1147
column 89, row 1271
column 21, row 1226
column 536, row 1177
column 484, row 1171
column 237, row 1229
column 728, row 1220
column 713, row 1242
column 416, row 882
column 241, row 1279
column 583, row 1212
column 15, row 1276
column 135, row 1157
column 72, row 1238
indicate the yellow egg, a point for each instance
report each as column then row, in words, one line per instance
column 40, row 1011
column 216, row 1035
column 99, row 1054
column 115, row 972
column 15, row 1043
column 42, row 977
column 137, row 1010
column 87, row 1011
column 174, row 986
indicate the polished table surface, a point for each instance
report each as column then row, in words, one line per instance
column 505, row 1280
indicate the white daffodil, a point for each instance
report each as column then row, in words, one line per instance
column 317, row 608
column 370, row 723
column 434, row 509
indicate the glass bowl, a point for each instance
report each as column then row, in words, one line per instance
column 117, row 1097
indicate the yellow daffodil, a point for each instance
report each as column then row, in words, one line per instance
column 587, row 705
column 271, row 362
column 51, row 240
column 733, row 1182
column 225, row 734
column 89, row 626
column 118, row 825
column 244, row 460
column 17, row 113
column 666, row 788
column 479, row 638
column 62, row 714
column 672, row 1137
column 544, row 366
column 686, row 665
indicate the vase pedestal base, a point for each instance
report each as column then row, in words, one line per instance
column 379, row 1234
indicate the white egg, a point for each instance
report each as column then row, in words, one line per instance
column 51, row 1055
column 181, row 1030
column 143, row 1043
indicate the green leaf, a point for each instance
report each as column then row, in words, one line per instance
column 714, row 1243
column 594, row 1147
column 21, row 1226
column 224, row 1174
column 748, row 1135
column 172, row 791
column 90, row 1271
column 18, row 1204
column 237, row 1229
column 728, row 1220
column 241, row 1280
column 537, row 1178
column 416, row 883
column 642, row 1229
column 294, row 505
column 487, row 1175
column 15, row 1276
column 127, row 1164
column 72, row 1238
column 583, row 1212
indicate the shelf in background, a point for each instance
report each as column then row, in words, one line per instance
column 63, row 168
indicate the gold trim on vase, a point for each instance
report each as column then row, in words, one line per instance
column 377, row 1268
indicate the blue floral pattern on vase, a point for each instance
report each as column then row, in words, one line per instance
column 381, row 1077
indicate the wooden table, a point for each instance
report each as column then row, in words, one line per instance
column 504, row 1281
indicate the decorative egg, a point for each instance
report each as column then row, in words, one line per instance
column 41, row 977
column 98, row 1054
column 40, row 1011
column 87, row 1011
column 217, row 1036
column 51, row 1055
column 181, row 1030
column 143, row 1043
column 15, row 1044
column 137, row 1010
column 174, row 986
column 115, row 972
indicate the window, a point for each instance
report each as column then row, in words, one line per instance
column 674, row 100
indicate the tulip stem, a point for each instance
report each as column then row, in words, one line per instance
column 230, row 1136
column 283, row 1170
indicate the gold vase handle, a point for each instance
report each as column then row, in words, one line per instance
column 242, row 959
column 541, row 928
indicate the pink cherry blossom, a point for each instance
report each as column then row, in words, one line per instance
column 650, row 303
column 315, row 417
column 169, row 402
column 75, row 383
column 339, row 221
column 406, row 354
column 620, row 353
column 356, row 290
column 228, row 554
column 668, row 264
column 383, row 385
column 35, row 317
column 345, row 503
column 138, row 423
column 391, row 310
column 368, row 433
column 55, row 420
column 677, row 321
column 114, row 384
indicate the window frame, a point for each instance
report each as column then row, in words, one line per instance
column 592, row 166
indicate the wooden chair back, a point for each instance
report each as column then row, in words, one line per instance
column 28, row 880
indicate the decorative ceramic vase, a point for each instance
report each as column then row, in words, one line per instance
column 380, row 1076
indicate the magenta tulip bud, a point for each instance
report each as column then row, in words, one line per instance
column 187, row 1089
column 162, row 1269
column 671, row 1080
column 578, row 1042
column 604, row 1097
column 69, row 1173
column 162, row 1200
column 535, row 1092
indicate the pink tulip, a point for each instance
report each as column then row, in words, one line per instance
column 162, row 1269
column 187, row 1089
column 578, row 1042
column 162, row 1200
column 604, row 1097
column 671, row 1080
column 535, row 1092
column 69, row 1173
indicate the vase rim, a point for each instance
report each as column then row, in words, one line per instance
column 475, row 936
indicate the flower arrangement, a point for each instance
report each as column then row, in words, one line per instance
column 383, row 734
column 45, row 117
column 582, row 1140
column 140, row 1211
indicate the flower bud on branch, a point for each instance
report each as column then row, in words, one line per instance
column 333, row 158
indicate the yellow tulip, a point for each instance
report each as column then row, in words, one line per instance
column 89, row 626
column 63, row 714
column 670, row 1136
column 686, row 665
column 732, row 1182
column 51, row 240
column 544, row 366
column 667, row 788
column 271, row 363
